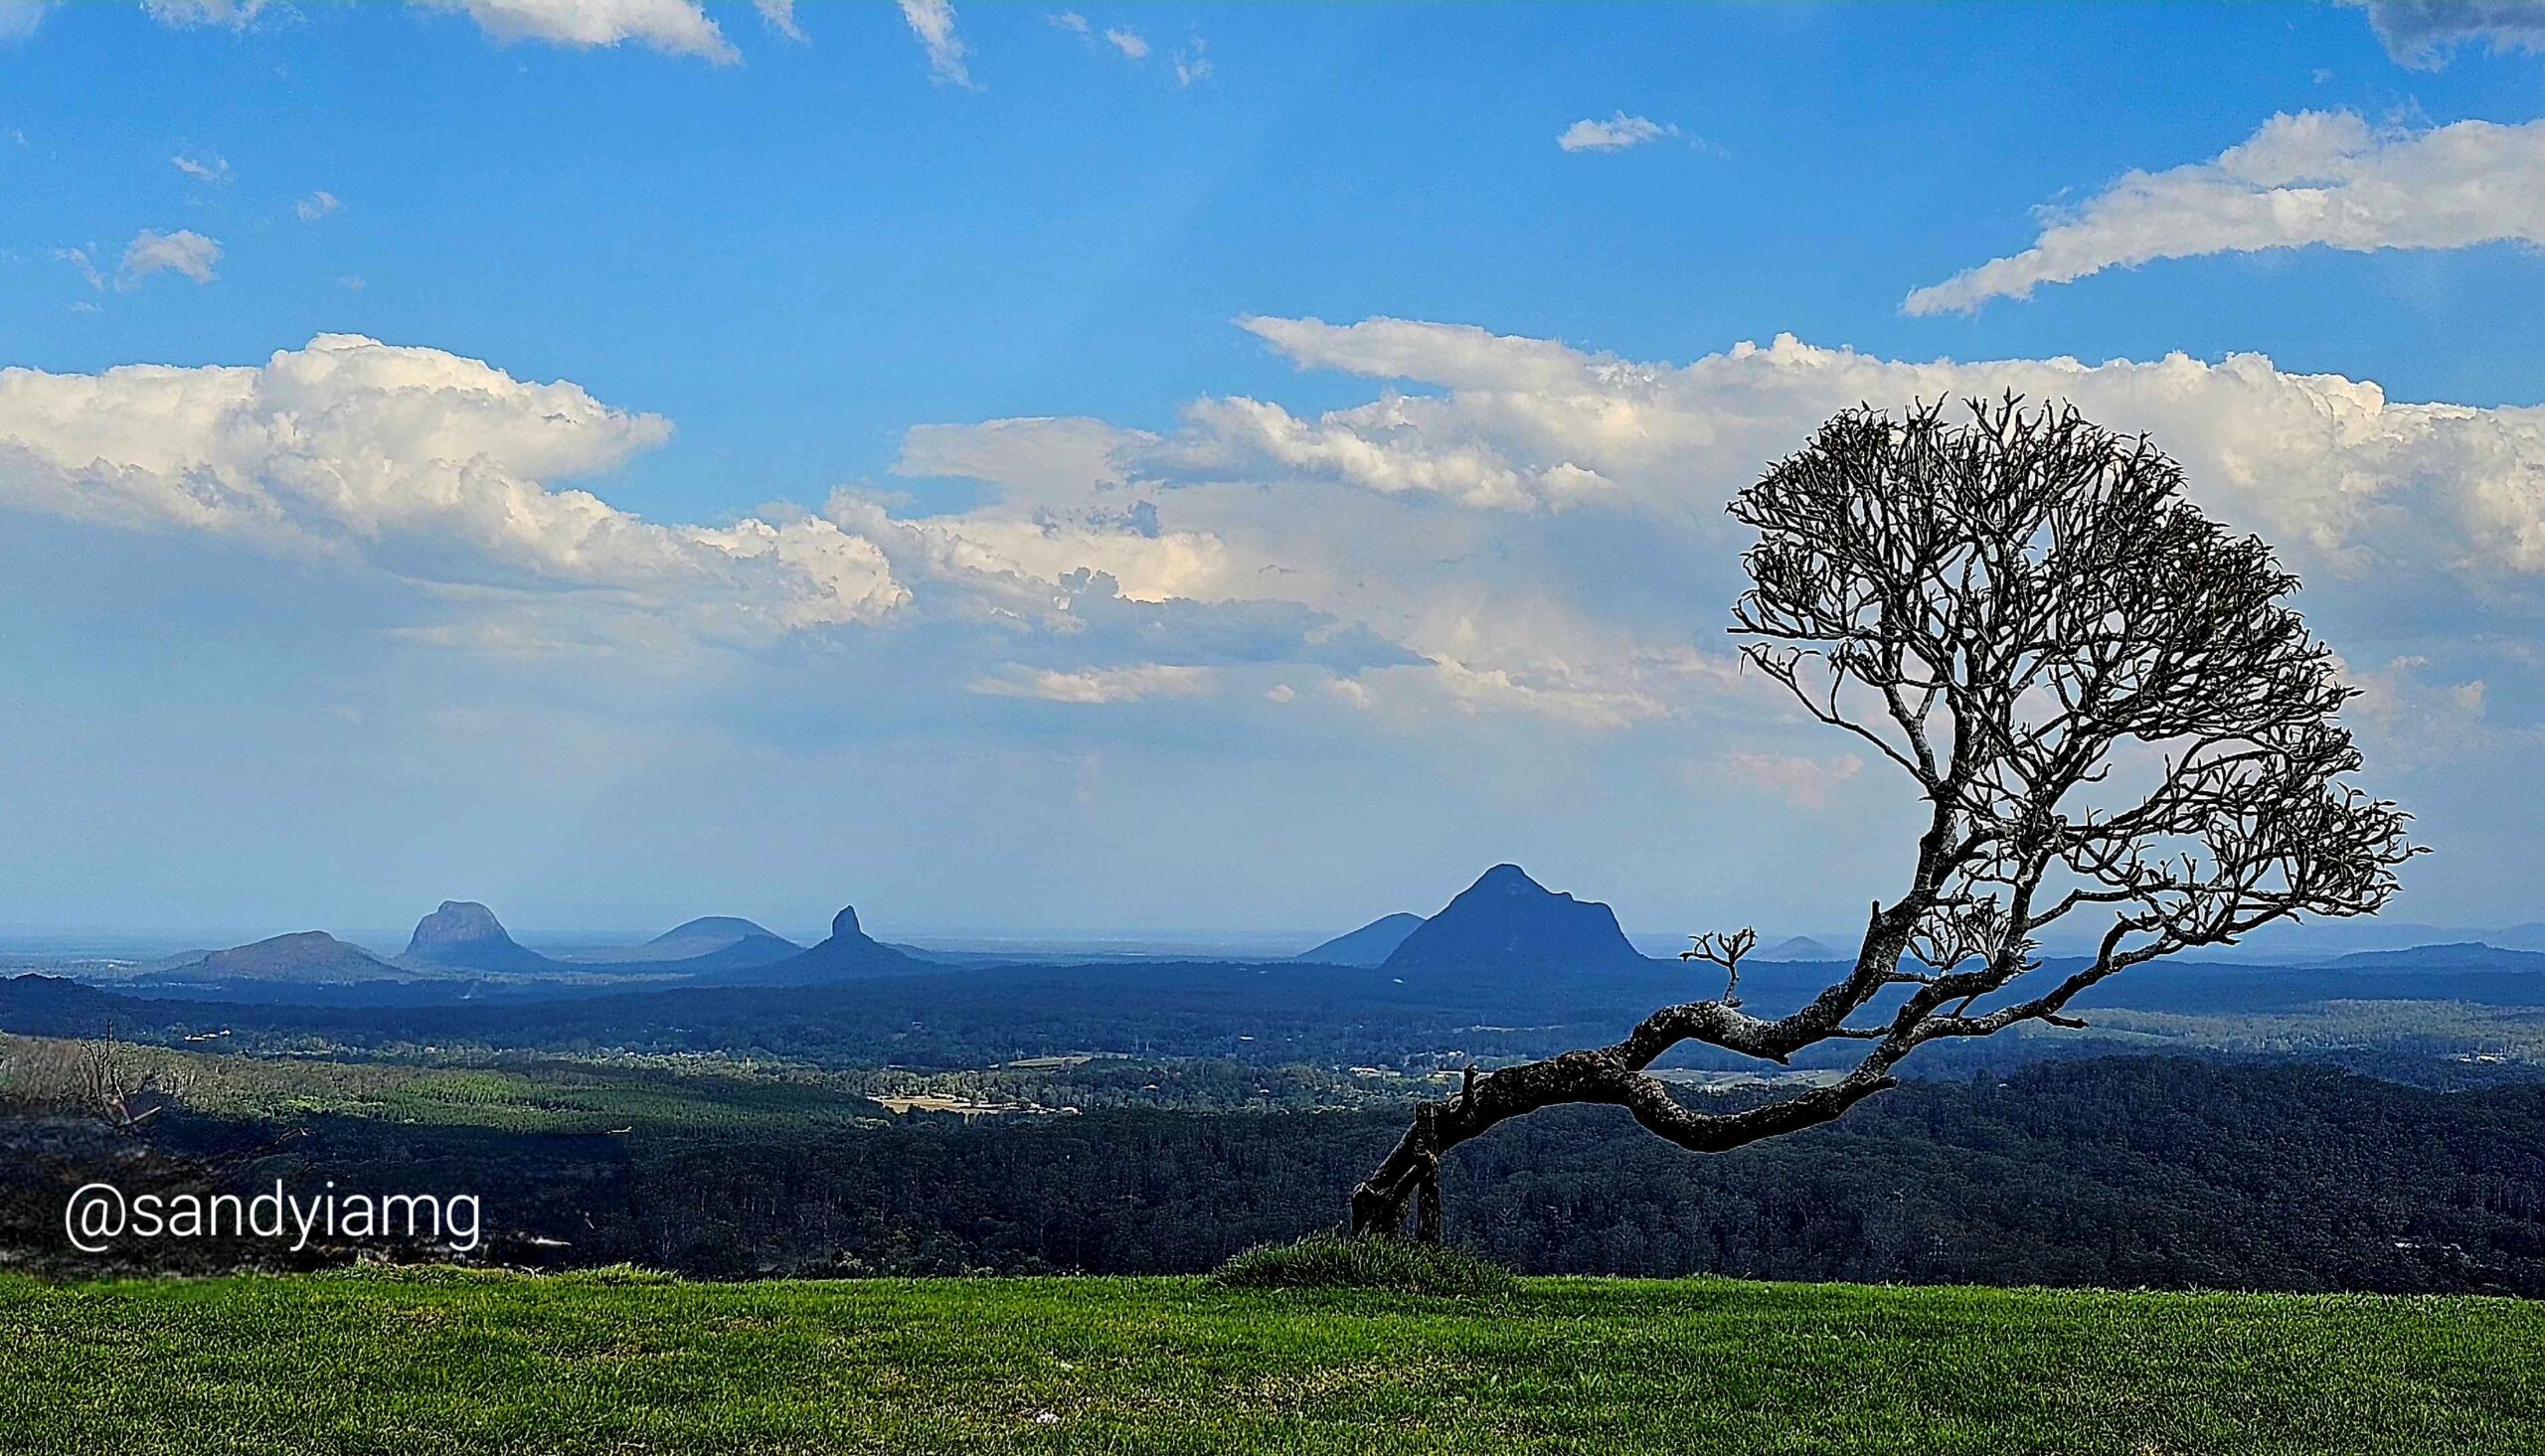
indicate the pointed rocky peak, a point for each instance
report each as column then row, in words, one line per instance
column 1509, row 920
column 848, row 954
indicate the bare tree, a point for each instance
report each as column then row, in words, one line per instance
column 2105, row 704
column 105, row 1078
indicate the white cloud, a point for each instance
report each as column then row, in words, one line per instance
column 2425, row 34
column 421, row 464
column 2319, row 462
column 183, row 252
column 1099, row 685
column 1070, row 21
column 1616, row 134
column 1427, row 558
column 2311, row 178
column 1192, row 62
column 673, row 27
column 1451, row 514
column 316, row 205
column 932, row 21
column 779, row 16
column 210, row 167
column 1369, row 447
column 230, row 14
column 78, row 259
column 20, row 19
column 1128, row 40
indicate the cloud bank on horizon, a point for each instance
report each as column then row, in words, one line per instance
column 1450, row 551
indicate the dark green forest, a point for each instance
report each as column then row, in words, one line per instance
column 2116, row 1171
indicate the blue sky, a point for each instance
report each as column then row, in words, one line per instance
column 324, row 638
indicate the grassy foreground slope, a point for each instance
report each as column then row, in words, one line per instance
column 466, row 1362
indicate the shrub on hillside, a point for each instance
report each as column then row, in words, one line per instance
column 1333, row 1261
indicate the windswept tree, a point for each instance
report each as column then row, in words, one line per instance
column 2114, row 722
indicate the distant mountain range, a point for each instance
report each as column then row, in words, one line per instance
column 2457, row 956
column 1504, row 924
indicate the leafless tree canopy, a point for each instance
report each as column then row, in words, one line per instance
column 2111, row 713
column 103, row 1079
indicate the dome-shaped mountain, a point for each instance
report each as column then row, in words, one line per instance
column 709, row 942
column 1800, row 949
column 1507, row 920
column 465, row 935
column 310, row 956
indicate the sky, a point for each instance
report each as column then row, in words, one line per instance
column 1143, row 470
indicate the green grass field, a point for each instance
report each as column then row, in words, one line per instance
column 452, row 1362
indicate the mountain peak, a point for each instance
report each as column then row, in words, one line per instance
column 467, row 934
column 308, row 955
column 1507, row 919
column 456, row 922
column 722, row 930
column 1368, row 946
column 848, row 954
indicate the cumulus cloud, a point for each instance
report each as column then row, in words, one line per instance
column 1429, row 557
column 2425, row 34
column 932, row 21
column 673, row 27
column 1543, row 524
column 2307, row 179
column 316, row 205
column 2321, row 462
column 1099, row 685
column 1128, row 40
column 183, row 252
column 1617, row 134
column 419, row 463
